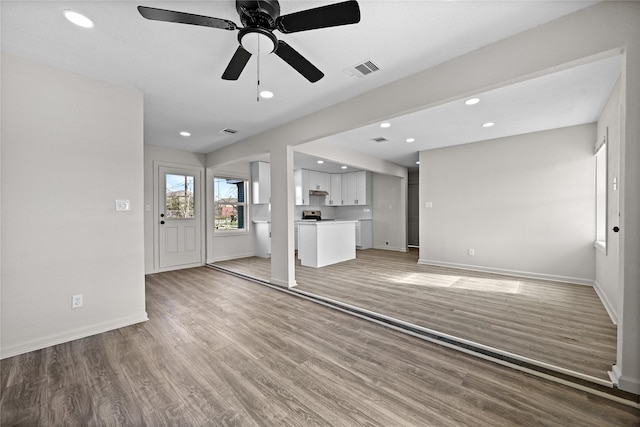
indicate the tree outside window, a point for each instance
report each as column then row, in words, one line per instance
column 179, row 197
column 229, row 203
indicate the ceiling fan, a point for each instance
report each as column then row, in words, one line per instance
column 260, row 19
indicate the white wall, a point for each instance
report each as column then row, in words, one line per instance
column 71, row 146
column 607, row 282
column 525, row 204
column 165, row 155
column 389, row 212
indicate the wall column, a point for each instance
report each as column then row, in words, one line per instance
column 282, row 216
column 626, row 371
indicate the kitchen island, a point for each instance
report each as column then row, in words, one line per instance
column 323, row 243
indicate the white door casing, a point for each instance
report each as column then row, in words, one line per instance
column 179, row 217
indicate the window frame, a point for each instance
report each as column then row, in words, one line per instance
column 601, row 159
column 245, row 204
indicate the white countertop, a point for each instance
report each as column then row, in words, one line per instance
column 328, row 222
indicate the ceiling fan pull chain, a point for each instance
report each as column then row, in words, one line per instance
column 258, row 73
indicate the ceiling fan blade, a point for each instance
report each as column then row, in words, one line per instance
column 185, row 18
column 298, row 62
column 237, row 64
column 344, row 13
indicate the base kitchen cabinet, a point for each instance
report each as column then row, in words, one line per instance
column 326, row 242
column 262, row 239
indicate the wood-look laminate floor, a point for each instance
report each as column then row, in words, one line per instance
column 561, row 324
column 219, row 350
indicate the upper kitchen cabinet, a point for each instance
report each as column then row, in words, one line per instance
column 335, row 190
column 313, row 181
column 356, row 188
column 319, row 181
column 260, row 183
column 346, row 189
column 301, row 178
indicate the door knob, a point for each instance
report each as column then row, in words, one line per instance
column 161, row 222
column 616, row 229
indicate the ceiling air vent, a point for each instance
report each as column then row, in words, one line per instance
column 380, row 139
column 360, row 70
column 229, row 131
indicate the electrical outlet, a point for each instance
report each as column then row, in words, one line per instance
column 76, row 301
column 472, row 252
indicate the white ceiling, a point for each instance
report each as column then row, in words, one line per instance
column 178, row 68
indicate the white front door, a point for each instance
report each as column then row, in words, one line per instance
column 179, row 217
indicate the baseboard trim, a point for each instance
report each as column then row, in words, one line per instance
column 613, row 315
column 390, row 248
column 51, row 340
column 506, row 272
column 631, row 385
column 282, row 283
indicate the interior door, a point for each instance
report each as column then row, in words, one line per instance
column 179, row 217
column 413, row 208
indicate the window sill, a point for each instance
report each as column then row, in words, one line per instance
column 230, row 233
column 601, row 246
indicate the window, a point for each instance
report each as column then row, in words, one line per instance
column 601, row 194
column 179, row 197
column 229, row 200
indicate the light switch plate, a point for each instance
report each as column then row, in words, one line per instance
column 123, row 205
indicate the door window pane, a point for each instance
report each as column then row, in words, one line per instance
column 179, row 197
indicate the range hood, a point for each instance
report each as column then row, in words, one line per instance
column 318, row 193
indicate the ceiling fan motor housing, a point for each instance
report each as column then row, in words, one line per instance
column 258, row 13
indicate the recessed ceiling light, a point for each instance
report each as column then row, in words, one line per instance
column 385, row 125
column 320, row 162
column 343, row 167
column 185, row 133
column 77, row 18
column 266, row 94
column 488, row 124
column 472, row 101
column 411, row 140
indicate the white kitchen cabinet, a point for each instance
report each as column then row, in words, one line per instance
column 335, row 190
column 348, row 187
column 260, row 183
column 301, row 178
column 319, row 181
column 363, row 188
column 326, row 242
column 364, row 234
column 262, row 239
column 356, row 188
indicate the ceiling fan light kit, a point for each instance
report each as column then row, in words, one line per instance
column 257, row 41
column 260, row 19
